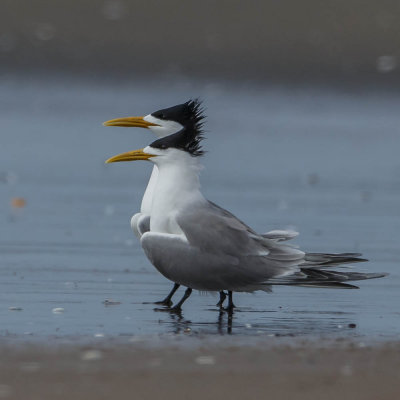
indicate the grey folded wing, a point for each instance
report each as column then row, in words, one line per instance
column 215, row 230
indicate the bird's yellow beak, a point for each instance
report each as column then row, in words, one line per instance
column 129, row 122
column 130, row 156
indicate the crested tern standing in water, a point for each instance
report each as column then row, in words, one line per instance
column 195, row 243
column 162, row 123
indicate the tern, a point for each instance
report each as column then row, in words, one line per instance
column 195, row 243
column 161, row 123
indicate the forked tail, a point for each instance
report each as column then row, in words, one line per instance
column 331, row 259
column 314, row 273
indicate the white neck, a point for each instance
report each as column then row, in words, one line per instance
column 177, row 187
column 161, row 129
column 147, row 200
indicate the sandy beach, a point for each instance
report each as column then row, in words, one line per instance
column 341, row 370
column 271, row 41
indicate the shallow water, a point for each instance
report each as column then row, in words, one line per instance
column 315, row 160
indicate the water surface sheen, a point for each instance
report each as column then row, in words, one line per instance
column 320, row 162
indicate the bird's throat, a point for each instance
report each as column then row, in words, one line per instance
column 147, row 200
column 177, row 187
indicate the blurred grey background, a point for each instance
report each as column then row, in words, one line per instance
column 287, row 40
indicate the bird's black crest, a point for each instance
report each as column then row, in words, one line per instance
column 191, row 116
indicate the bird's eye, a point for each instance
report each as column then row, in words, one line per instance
column 159, row 115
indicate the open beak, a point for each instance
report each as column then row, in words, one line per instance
column 129, row 122
column 130, row 156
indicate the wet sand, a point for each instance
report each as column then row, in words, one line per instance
column 260, row 41
column 70, row 248
column 270, row 369
column 66, row 247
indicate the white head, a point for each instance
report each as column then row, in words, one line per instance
column 165, row 122
column 162, row 128
column 179, row 148
column 177, row 159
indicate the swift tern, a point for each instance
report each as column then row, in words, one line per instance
column 195, row 243
column 161, row 123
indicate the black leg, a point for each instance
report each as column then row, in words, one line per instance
column 222, row 297
column 167, row 301
column 231, row 306
column 178, row 306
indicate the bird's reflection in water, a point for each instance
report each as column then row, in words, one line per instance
column 269, row 323
column 180, row 324
column 225, row 319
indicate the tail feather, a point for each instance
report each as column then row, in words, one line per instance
column 330, row 285
column 314, row 277
column 330, row 259
column 280, row 235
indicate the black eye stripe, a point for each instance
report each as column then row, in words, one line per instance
column 159, row 115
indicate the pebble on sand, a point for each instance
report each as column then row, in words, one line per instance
column 111, row 302
column 91, row 355
column 29, row 366
column 18, row 202
column 205, row 360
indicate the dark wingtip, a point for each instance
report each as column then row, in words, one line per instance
column 378, row 275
